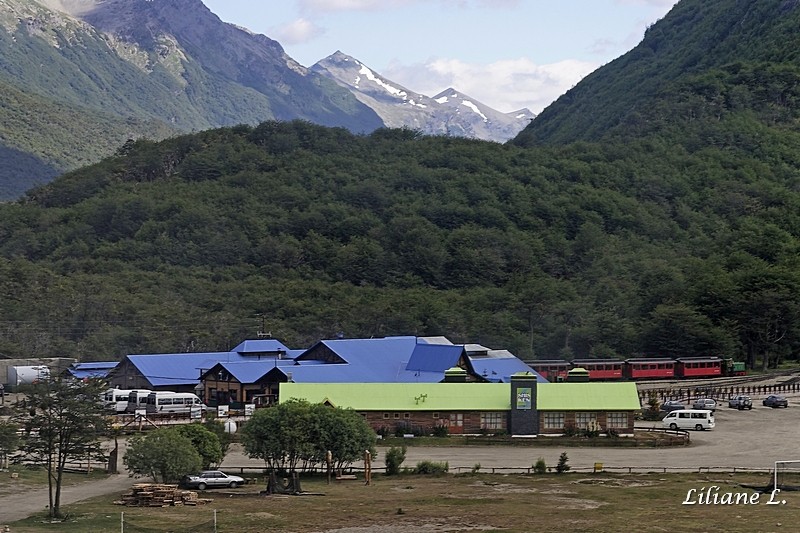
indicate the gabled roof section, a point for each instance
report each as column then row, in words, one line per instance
column 403, row 396
column 587, row 397
column 261, row 347
column 245, row 372
column 94, row 369
column 164, row 370
column 499, row 366
column 384, row 350
column 434, row 357
column 384, row 372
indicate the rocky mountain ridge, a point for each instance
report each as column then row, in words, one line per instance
column 448, row 113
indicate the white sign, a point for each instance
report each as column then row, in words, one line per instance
column 249, row 409
column 222, row 411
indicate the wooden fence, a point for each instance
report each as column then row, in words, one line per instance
column 717, row 392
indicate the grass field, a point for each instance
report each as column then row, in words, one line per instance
column 449, row 503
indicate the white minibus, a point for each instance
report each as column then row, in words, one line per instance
column 116, row 400
column 698, row 419
column 137, row 399
column 161, row 402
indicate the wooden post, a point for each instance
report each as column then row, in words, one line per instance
column 367, row 467
column 329, row 461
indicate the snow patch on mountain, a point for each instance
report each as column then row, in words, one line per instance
column 448, row 113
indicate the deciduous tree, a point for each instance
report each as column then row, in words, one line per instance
column 63, row 421
column 163, row 454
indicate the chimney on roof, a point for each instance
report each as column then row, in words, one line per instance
column 455, row 375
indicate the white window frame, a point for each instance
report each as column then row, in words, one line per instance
column 617, row 420
column 584, row 419
column 492, row 420
column 554, row 419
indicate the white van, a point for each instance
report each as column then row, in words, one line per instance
column 116, row 400
column 162, row 402
column 137, row 399
column 698, row 419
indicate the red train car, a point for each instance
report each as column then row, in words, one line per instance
column 651, row 367
column 553, row 370
column 600, row 369
column 698, row 367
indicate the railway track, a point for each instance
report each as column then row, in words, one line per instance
column 783, row 376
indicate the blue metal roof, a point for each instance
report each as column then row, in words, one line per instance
column 164, row 370
column 365, row 351
column 256, row 346
column 94, row 369
column 403, row 359
column 251, row 371
column 434, row 357
column 500, row 369
column 347, row 373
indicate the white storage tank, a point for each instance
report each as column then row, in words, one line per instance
column 26, row 375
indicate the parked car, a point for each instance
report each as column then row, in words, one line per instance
column 740, row 402
column 773, row 400
column 672, row 405
column 705, row 403
column 210, row 479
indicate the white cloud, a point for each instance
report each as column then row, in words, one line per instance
column 506, row 85
column 654, row 3
column 313, row 6
column 298, row 31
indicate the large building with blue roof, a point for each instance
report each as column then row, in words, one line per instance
column 180, row 372
column 252, row 372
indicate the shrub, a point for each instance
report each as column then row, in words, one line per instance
column 476, row 468
column 394, row 458
column 592, row 432
column 652, row 411
column 562, row 465
column 540, row 467
column 440, row 431
column 570, row 430
column 432, row 467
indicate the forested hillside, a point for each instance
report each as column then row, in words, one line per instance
column 39, row 137
column 611, row 250
column 653, row 210
column 74, row 89
column 704, row 61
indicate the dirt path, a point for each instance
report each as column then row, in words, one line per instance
column 16, row 505
column 21, row 505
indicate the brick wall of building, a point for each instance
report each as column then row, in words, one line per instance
column 457, row 422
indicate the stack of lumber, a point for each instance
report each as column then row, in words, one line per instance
column 159, row 495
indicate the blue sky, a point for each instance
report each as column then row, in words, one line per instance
column 507, row 54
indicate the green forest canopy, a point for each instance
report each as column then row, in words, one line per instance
column 586, row 250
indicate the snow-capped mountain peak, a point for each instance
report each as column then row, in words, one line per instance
column 448, row 113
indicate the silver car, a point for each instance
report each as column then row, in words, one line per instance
column 210, row 479
column 705, row 403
